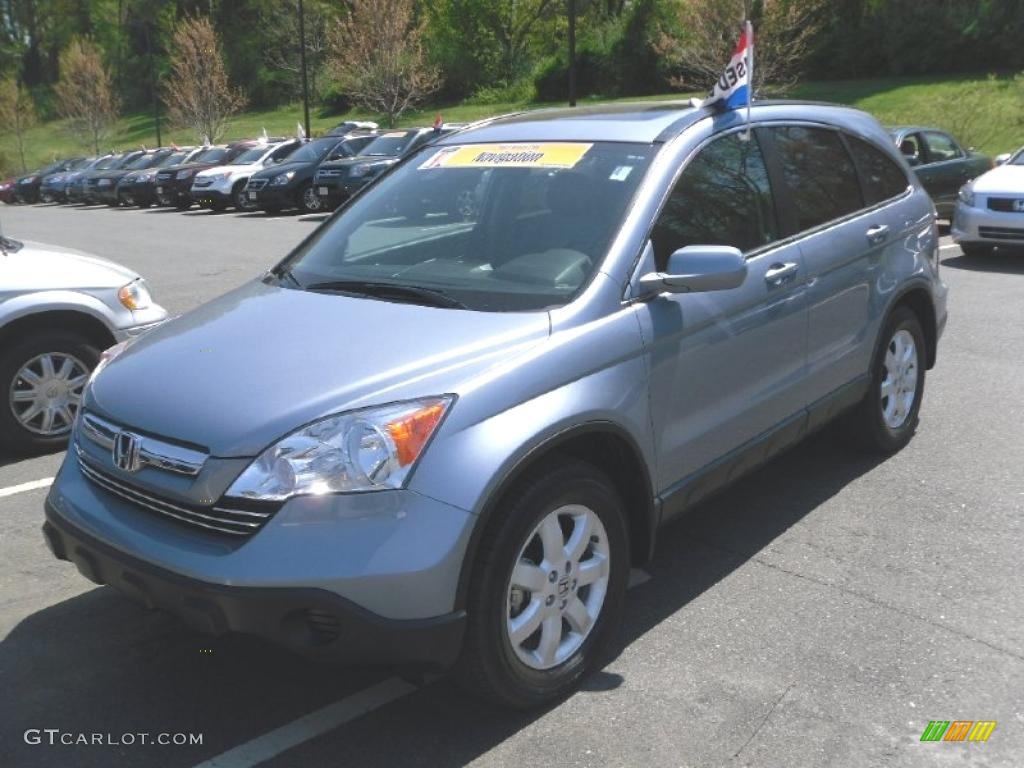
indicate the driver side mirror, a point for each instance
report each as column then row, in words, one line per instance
column 697, row 269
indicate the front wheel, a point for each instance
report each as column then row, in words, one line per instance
column 241, row 198
column 886, row 418
column 309, row 200
column 41, row 384
column 547, row 592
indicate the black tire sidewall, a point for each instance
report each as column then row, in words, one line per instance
column 882, row 436
column 12, row 434
column 572, row 483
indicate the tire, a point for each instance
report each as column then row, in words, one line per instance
column 520, row 674
column 183, row 205
column 240, row 199
column 886, row 423
column 218, row 206
column 308, row 201
column 60, row 346
column 976, row 250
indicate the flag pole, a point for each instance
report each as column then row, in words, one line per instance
column 749, row 29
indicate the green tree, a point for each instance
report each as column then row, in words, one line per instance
column 85, row 93
column 17, row 113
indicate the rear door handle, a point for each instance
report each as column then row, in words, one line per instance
column 877, row 235
column 778, row 273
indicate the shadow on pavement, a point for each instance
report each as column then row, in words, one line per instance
column 1003, row 260
column 98, row 663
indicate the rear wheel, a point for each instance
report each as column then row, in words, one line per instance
column 547, row 592
column 41, row 381
column 886, row 418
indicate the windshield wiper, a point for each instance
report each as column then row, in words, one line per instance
column 395, row 291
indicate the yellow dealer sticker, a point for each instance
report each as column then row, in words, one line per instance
column 547, row 155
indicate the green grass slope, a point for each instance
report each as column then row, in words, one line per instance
column 983, row 112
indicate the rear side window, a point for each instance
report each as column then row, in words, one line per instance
column 882, row 178
column 940, row 147
column 820, row 177
column 723, row 197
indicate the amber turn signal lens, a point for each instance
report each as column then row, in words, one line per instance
column 410, row 433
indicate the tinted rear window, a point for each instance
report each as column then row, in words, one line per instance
column 819, row 173
column 881, row 176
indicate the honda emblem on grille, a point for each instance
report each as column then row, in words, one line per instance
column 1018, row 205
column 126, row 451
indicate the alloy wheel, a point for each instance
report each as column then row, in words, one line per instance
column 310, row 200
column 558, row 586
column 899, row 384
column 46, row 393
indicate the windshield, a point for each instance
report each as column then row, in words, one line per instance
column 250, row 156
column 81, row 163
column 107, row 162
column 313, row 152
column 211, row 155
column 389, row 145
column 1017, row 159
column 493, row 227
column 174, row 158
column 146, row 161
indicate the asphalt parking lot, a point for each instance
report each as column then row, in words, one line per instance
column 820, row 613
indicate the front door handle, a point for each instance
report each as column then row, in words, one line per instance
column 877, row 235
column 778, row 273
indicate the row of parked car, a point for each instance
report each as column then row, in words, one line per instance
column 268, row 173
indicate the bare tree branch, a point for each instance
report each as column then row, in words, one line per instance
column 378, row 57
column 85, row 94
column 197, row 93
column 17, row 114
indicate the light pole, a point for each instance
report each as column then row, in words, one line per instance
column 572, row 53
column 302, row 63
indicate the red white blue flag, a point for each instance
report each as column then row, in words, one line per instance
column 734, row 88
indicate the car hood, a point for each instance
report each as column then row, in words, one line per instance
column 244, row 370
column 39, row 267
column 269, row 173
column 1003, row 178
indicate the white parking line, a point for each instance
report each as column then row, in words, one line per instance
column 948, row 247
column 272, row 744
column 44, row 483
column 279, row 740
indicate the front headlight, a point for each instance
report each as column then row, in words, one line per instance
column 282, row 179
column 217, row 176
column 360, row 170
column 184, row 174
column 353, row 452
column 966, row 194
column 135, row 295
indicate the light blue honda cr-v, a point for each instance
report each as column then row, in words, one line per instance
column 442, row 430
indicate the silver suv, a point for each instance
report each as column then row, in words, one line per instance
column 442, row 434
column 58, row 309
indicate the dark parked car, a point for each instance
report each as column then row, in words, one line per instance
column 942, row 165
column 138, row 188
column 7, row 190
column 52, row 188
column 74, row 182
column 290, row 184
column 96, row 182
column 26, row 190
column 174, row 182
column 107, row 181
column 337, row 180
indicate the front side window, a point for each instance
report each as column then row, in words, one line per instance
column 941, row 147
column 509, row 227
column 820, row 178
column 314, row 151
column 723, row 197
column 389, row 144
column 882, row 178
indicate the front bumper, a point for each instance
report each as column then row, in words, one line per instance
column 209, row 197
column 172, row 192
column 313, row 622
column 139, row 193
column 375, row 564
column 985, row 226
column 107, row 194
column 275, row 197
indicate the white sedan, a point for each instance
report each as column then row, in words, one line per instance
column 990, row 209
